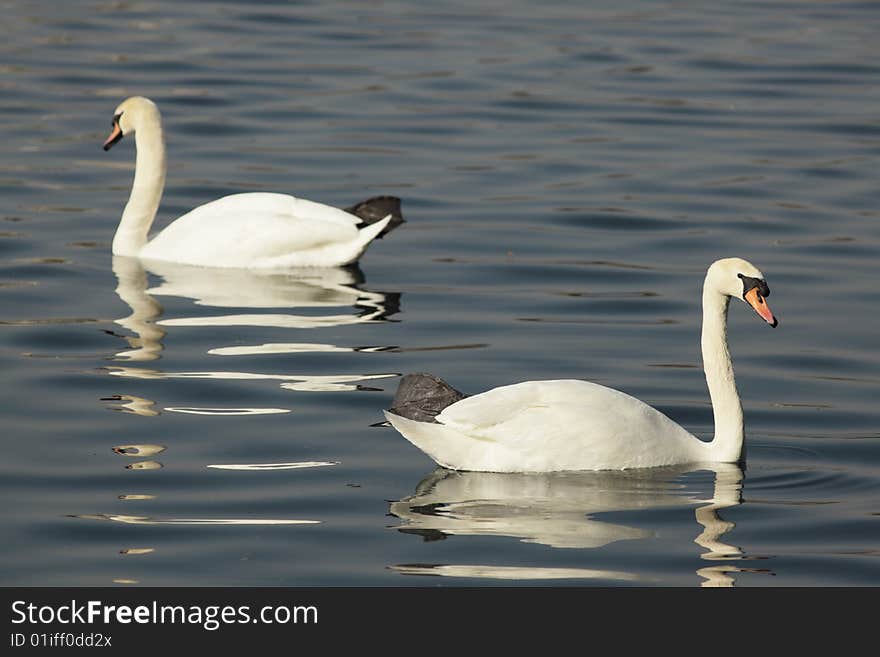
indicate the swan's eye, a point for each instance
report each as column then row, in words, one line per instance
column 115, row 121
column 750, row 283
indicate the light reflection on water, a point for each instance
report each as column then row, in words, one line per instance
column 271, row 466
column 225, row 411
column 145, row 520
column 516, row 573
column 322, row 382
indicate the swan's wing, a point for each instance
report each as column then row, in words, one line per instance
column 518, row 409
column 246, row 227
column 574, row 422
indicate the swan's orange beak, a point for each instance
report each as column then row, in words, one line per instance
column 755, row 300
column 115, row 136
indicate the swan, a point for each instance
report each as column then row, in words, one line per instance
column 253, row 230
column 548, row 426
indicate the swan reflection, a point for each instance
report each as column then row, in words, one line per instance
column 133, row 405
column 558, row 510
column 314, row 289
column 144, row 449
column 144, row 465
column 131, row 286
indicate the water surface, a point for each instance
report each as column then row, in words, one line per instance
column 568, row 171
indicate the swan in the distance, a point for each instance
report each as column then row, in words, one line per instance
column 547, row 426
column 255, row 230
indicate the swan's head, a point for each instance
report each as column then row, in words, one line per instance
column 132, row 113
column 739, row 278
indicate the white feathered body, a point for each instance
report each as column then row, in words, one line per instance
column 549, row 426
column 263, row 231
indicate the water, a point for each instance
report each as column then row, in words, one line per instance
column 568, row 171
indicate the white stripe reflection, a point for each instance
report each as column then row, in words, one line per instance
column 513, row 572
column 145, row 520
column 273, row 466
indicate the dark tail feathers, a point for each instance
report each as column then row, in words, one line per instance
column 377, row 208
column 421, row 397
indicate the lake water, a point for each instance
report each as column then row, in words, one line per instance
column 568, row 171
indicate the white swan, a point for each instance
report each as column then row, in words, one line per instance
column 547, row 426
column 256, row 230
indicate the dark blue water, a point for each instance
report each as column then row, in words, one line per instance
column 568, row 171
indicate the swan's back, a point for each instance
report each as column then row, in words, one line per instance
column 545, row 426
column 261, row 230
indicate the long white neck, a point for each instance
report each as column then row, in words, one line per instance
column 728, row 442
column 146, row 190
